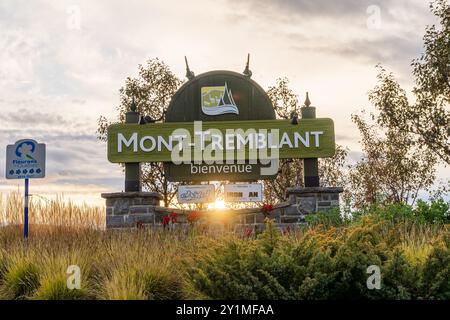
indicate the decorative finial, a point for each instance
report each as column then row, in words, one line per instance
column 189, row 74
column 247, row 71
column 307, row 101
column 133, row 105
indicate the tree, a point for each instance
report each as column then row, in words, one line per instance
column 290, row 173
column 152, row 88
column 429, row 117
column 285, row 101
column 394, row 167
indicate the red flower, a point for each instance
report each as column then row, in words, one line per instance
column 193, row 216
column 173, row 217
column 248, row 232
column 266, row 208
column 166, row 221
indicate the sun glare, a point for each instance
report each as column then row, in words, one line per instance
column 218, row 204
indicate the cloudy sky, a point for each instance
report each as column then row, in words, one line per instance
column 63, row 62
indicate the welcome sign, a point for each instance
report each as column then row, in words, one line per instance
column 220, row 125
column 227, row 141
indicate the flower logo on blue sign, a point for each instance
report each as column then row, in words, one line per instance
column 25, row 159
column 25, row 150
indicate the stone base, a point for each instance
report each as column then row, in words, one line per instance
column 138, row 209
column 308, row 200
column 130, row 209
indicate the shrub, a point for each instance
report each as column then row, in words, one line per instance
column 160, row 284
column 3, row 264
column 436, row 274
column 400, row 279
column 247, row 269
column 330, row 218
column 143, row 284
column 321, row 263
column 20, row 280
column 435, row 212
column 438, row 211
column 123, row 285
column 55, row 288
column 397, row 212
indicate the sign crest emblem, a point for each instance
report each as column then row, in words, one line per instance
column 218, row 100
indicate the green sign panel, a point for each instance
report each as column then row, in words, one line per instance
column 221, row 141
column 217, row 172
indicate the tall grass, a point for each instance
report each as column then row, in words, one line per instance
column 55, row 212
column 133, row 264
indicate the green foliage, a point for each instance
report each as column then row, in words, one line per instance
column 327, row 259
column 438, row 211
column 326, row 262
column 401, row 280
column 332, row 217
column 435, row 212
column 436, row 274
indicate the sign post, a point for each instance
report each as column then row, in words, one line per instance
column 25, row 160
column 310, row 164
column 133, row 169
column 25, row 213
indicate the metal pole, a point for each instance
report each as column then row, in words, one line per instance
column 310, row 165
column 132, row 170
column 25, row 211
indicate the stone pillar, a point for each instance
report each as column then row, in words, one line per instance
column 133, row 169
column 130, row 209
column 311, row 198
column 304, row 201
column 310, row 165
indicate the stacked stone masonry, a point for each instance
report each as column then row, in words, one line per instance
column 134, row 209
